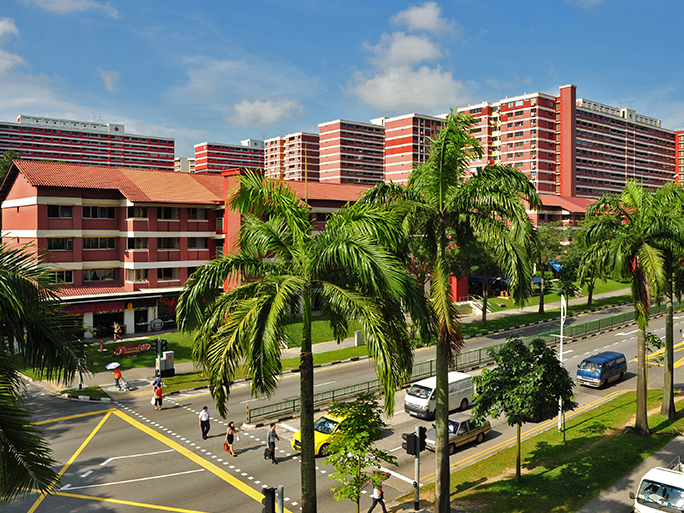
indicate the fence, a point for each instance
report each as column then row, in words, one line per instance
column 465, row 361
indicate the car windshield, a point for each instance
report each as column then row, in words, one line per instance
column 325, row 425
column 420, row 391
column 453, row 426
column 669, row 498
column 589, row 366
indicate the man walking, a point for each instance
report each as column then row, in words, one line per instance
column 271, row 438
column 204, row 422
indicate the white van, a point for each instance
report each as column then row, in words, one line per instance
column 420, row 399
column 661, row 489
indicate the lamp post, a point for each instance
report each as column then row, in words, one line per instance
column 564, row 312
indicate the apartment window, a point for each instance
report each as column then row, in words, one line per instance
column 99, row 212
column 519, row 103
column 519, row 134
column 136, row 212
column 136, row 243
column 197, row 243
column 167, row 213
column 519, row 113
column 61, row 276
column 519, row 144
column 322, row 217
column 519, row 164
column 518, row 154
column 60, row 244
column 167, row 243
column 99, row 274
column 59, row 211
column 197, row 213
column 99, row 242
column 134, row 275
column 167, row 274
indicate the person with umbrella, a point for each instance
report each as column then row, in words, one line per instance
column 114, row 367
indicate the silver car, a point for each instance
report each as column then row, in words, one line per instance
column 462, row 430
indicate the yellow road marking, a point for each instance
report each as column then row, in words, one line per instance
column 127, row 503
column 71, row 460
column 80, row 415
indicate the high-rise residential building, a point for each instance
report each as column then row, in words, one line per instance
column 679, row 173
column 213, row 157
column 351, row 152
column 184, row 165
column 85, row 142
column 292, row 157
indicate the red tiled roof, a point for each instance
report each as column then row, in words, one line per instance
column 93, row 290
column 568, row 203
column 136, row 185
column 328, row 191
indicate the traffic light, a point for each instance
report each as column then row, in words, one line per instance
column 422, row 436
column 164, row 345
column 268, row 500
column 410, row 444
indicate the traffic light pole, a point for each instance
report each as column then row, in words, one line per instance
column 416, row 483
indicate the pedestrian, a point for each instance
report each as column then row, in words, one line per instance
column 158, row 398
column 271, row 438
column 204, row 421
column 117, row 377
column 377, row 498
column 157, row 383
column 231, row 434
column 117, row 331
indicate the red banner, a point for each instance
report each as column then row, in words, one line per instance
column 132, row 349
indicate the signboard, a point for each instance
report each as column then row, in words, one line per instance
column 131, row 349
column 94, row 307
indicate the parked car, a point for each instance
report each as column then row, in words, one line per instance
column 462, row 430
column 324, row 428
column 420, row 400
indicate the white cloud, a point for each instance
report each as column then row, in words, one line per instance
column 403, row 88
column 424, row 18
column 399, row 49
column 8, row 61
column 110, row 79
column 68, row 6
column 7, row 28
column 258, row 113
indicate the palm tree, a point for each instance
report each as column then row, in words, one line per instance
column 282, row 266
column 445, row 206
column 628, row 232
column 34, row 333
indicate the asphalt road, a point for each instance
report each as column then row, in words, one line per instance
column 124, row 456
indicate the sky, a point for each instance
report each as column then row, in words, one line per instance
column 225, row 71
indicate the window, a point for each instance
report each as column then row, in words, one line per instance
column 136, row 243
column 136, row 275
column 519, row 134
column 168, row 243
column 167, row 274
column 136, row 212
column 518, row 154
column 99, row 212
column 99, row 274
column 322, row 217
column 61, row 276
column 167, row 213
column 60, row 244
column 99, row 242
column 197, row 213
column 519, row 144
column 519, row 103
column 63, row 211
column 519, row 113
column 197, row 243
column 519, row 164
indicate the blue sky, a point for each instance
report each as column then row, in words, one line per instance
column 224, row 71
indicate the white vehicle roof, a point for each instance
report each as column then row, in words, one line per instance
column 432, row 382
column 665, row 476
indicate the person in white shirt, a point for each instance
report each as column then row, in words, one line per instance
column 377, row 498
column 204, row 422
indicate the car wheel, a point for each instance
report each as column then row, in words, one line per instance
column 464, row 404
column 622, row 375
column 324, row 450
column 479, row 438
column 452, row 449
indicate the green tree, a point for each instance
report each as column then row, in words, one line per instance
column 32, row 331
column 547, row 248
column 352, row 451
column 282, row 264
column 444, row 205
column 627, row 232
column 478, row 261
column 6, row 161
column 526, row 386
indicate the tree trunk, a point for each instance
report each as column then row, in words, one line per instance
column 590, row 290
column 541, row 293
column 485, row 295
column 443, row 476
column 518, row 477
column 306, row 391
column 667, row 409
column 641, row 424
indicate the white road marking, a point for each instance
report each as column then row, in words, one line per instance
column 131, row 480
column 288, row 427
column 87, row 473
column 134, row 456
column 397, row 475
column 326, row 383
column 622, row 334
column 395, row 449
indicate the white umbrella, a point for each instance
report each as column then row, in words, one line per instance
column 112, row 366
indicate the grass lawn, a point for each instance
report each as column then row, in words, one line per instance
column 87, row 391
column 561, row 478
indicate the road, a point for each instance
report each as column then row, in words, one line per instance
column 125, row 456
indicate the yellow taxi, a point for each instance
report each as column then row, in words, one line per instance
column 324, row 428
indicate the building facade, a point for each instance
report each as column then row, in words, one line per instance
column 213, row 158
column 184, row 165
column 292, row 157
column 85, row 142
column 679, row 137
column 351, row 152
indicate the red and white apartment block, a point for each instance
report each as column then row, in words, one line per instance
column 292, row 157
column 85, row 142
column 214, row 158
column 679, row 174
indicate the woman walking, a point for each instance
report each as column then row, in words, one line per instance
column 158, row 398
column 231, row 434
